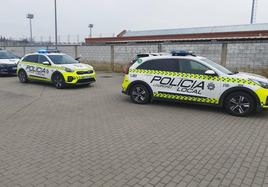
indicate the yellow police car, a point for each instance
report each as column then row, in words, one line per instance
column 53, row 66
column 185, row 77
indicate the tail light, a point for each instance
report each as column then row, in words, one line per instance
column 126, row 68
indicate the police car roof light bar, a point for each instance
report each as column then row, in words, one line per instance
column 182, row 53
column 48, row 51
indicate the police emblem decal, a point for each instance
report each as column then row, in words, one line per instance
column 211, row 86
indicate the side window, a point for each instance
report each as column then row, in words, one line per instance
column 42, row 59
column 31, row 58
column 161, row 65
column 193, row 67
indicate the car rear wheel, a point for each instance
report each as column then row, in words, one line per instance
column 139, row 94
column 58, row 81
column 22, row 75
column 239, row 104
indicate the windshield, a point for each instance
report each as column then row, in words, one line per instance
column 217, row 66
column 62, row 59
column 7, row 55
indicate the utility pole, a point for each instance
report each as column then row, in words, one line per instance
column 253, row 11
column 30, row 17
column 56, row 25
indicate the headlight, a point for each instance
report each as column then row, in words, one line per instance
column 261, row 83
column 69, row 70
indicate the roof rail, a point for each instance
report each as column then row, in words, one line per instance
column 182, row 53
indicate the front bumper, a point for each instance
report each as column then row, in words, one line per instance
column 73, row 78
column 8, row 69
column 263, row 97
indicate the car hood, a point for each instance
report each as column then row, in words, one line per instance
column 79, row 66
column 252, row 76
column 9, row 61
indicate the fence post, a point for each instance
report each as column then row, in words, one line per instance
column 159, row 48
column 112, row 57
column 76, row 51
column 24, row 50
column 224, row 50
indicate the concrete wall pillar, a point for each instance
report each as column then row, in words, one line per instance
column 224, row 51
column 112, row 57
column 76, row 51
column 159, row 48
column 24, row 51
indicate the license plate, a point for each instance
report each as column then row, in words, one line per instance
column 85, row 77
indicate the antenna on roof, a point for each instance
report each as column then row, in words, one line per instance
column 253, row 12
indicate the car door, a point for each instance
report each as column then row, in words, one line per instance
column 160, row 74
column 44, row 70
column 30, row 63
column 195, row 84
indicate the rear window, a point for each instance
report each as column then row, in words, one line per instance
column 161, row 65
column 31, row 58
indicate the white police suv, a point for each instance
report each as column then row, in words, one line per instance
column 184, row 77
column 53, row 66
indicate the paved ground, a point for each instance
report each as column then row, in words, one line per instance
column 94, row 136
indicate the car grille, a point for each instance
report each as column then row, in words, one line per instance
column 81, row 81
column 84, row 72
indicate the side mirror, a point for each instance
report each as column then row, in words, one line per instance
column 46, row 63
column 210, row 72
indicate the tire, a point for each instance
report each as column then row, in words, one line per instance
column 239, row 104
column 22, row 75
column 58, row 81
column 140, row 94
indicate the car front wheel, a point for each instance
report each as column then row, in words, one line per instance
column 58, row 81
column 239, row 104
column 23, row 76
column 139, row 94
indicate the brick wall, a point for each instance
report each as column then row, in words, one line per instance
column 211, row 51
column 124, row 54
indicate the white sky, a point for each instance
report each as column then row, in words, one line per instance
column 113, row 16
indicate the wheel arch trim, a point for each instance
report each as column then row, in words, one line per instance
column 56, row 72
column 239, row 89
column 139, row 82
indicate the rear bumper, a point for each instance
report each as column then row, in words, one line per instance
column 124, row 92
column 125, row 85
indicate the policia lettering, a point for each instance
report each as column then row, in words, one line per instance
column 38, row 70
column 184, row 85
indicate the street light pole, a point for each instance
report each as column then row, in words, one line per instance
column 90, row 27
column 253, row 11
column 56, row 25
column 30, row 17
